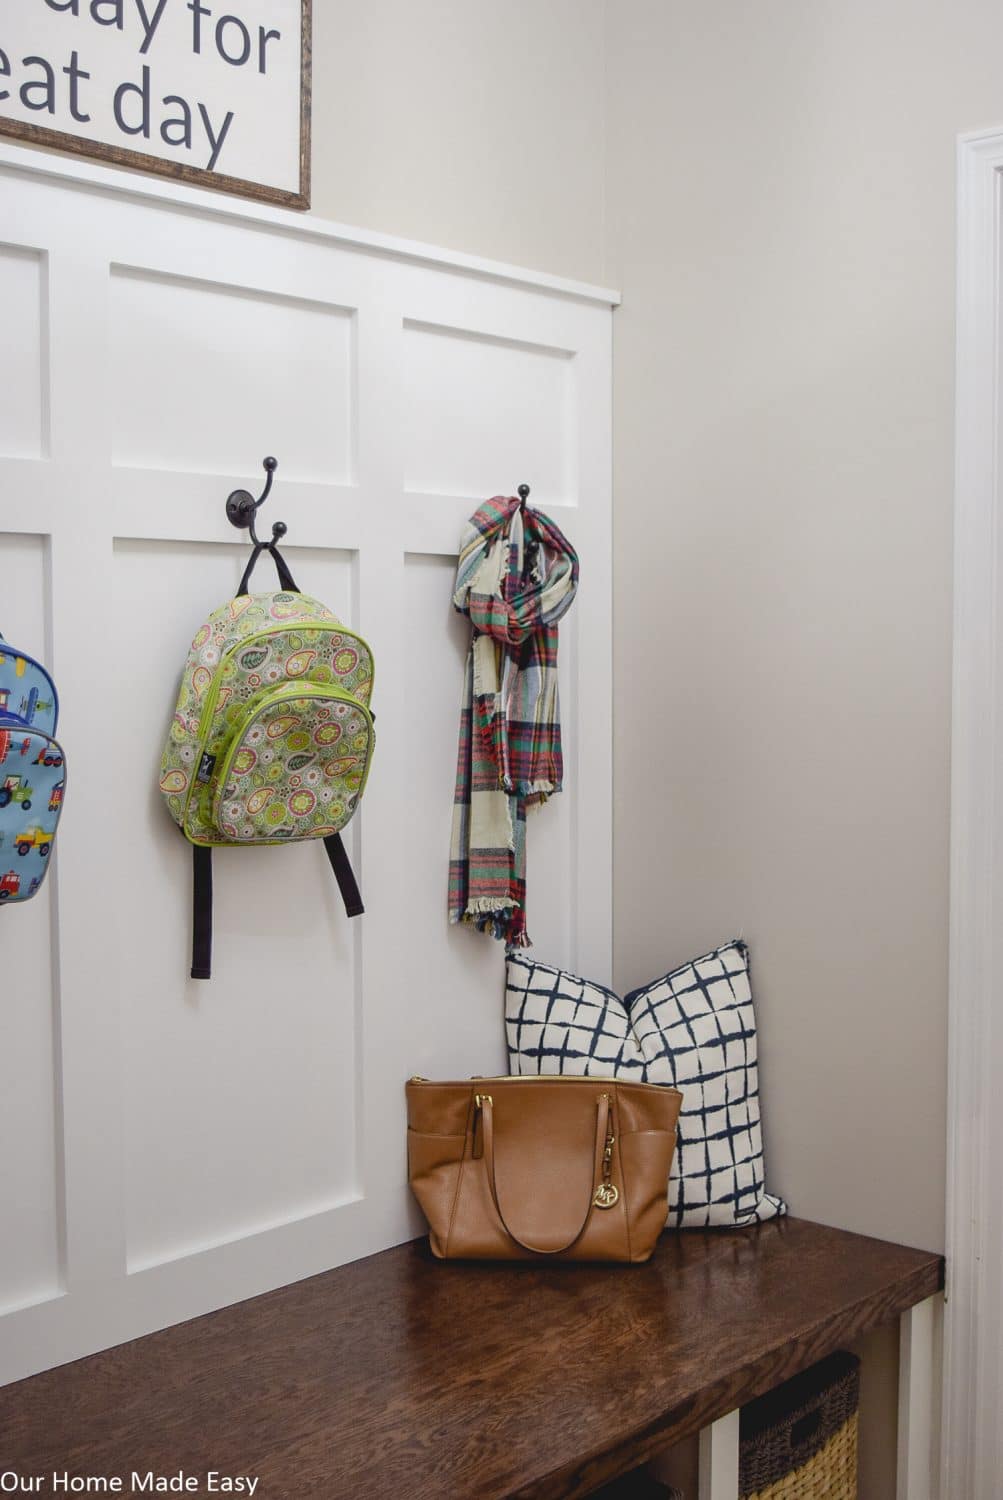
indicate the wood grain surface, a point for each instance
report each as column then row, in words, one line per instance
column 403, row 1376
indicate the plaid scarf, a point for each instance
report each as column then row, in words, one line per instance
column 517, row 576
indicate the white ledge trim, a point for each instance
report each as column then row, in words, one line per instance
column 125, row 184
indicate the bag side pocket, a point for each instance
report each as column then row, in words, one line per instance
column 645, row 1159
column 433, row 1164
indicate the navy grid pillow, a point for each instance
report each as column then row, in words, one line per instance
column 695, row 1029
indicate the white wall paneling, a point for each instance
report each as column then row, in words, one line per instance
column 282, row 363
column 464, row 394
column 31, row 1244
column 22, row 314
column 169, row 1146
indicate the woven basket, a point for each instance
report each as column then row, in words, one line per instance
column 799, row 1441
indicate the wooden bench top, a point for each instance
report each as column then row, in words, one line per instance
column 399, row 1376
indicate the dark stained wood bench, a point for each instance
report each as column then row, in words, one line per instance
column 398, row 1376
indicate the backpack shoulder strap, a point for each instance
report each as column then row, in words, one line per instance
column 201, row 912
column 347, row 883
column 202, row 898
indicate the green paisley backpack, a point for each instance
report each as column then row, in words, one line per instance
column 272, row 737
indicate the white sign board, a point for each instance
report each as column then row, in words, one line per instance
column 213, row 91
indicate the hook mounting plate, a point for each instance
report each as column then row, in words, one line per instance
column 241, row 506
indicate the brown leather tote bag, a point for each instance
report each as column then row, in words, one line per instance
column 519, row 1168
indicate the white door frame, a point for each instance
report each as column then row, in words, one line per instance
column 973, row 1383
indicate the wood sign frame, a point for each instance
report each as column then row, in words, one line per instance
column 120, row 156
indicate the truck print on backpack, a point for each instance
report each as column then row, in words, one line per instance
column 32, row 774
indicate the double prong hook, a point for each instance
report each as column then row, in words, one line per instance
column 241, row 507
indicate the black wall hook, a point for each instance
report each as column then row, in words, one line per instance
column 241, row 506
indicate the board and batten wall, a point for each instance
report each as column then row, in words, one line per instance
column 168, row 1146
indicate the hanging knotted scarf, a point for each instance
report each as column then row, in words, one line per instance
column 517, row 576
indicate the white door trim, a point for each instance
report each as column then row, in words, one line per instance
column 973, row 1383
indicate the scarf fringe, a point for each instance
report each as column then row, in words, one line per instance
column 486, row 904
column 533, row 791
column 496, row 926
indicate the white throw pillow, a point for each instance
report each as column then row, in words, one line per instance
column 694, row 1029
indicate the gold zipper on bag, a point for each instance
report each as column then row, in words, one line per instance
column 515, row 1078
column 537, row 1078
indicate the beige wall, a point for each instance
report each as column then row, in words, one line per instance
column 781, row 220
column 474, row 125
column 780, row 212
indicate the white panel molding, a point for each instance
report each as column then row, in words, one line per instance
column 122, row 185
column 973, row 1378
column 253, row 326
column 449, row 369
column 23, row 415
column 171, row 1194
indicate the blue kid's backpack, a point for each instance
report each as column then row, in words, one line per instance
column 32, row 773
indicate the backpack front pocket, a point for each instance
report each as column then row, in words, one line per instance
column 295, row 766
column 32, row 778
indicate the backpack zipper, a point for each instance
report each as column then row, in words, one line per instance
column 209, row 707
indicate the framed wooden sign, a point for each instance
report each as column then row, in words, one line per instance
column 216, row 92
